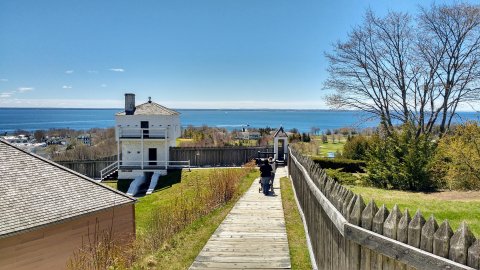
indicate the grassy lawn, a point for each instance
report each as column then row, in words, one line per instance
column 330, row 146
column 299, row 256
column 180, row 251
column 454, row 206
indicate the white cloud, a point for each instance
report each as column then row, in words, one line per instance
column 69, row 71
column 117, row 69
column 60, row 103
column 6, row 94
column 67, row 87
column 103, row 85
column 3, row 80
column 25, row 89
column 92, row 71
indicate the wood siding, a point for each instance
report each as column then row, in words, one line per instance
column 51, row 246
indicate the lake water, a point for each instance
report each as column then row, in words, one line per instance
column 32, row 118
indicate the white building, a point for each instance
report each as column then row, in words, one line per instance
column 144, row 134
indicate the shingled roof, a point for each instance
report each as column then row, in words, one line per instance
column 151, row 108
column 35, row 192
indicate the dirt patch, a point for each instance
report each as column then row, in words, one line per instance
column 456, row 195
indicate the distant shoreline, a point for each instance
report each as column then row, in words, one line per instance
column 192, row 109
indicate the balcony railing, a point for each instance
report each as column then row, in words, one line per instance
column 153, row 164
column 142, row 133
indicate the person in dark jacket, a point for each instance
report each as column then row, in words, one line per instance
column 265, row 176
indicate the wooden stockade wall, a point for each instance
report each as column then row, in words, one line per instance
column 90, row 168
column 347, row 234
column 198, row 156
column 216, row 156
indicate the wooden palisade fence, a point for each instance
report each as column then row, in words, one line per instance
column 346, row 233
column 90, row 168
column 216, row 156
column 198, row 156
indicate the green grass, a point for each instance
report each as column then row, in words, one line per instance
column 299, row 256
column 181, row 250
column 330, row 146
column 455, row 210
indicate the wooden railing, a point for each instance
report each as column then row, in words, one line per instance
column 347, row 234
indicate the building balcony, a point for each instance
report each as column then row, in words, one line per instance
column 142, row 133
column 152, row 165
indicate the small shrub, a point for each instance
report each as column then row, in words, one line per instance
column 356, row 147
column 343, row 178
column 457, row 161
column 347, row 165
column 401, row 161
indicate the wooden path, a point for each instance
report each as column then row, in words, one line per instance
column 252, row 236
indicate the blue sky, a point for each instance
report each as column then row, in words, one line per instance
column 184, row 54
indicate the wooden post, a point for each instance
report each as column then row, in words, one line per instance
column 415, row 229
column 367, row 221
column 461, row 240
column 402, row 235
column 355, row 217
column 473, row 258
column 441, row 239
column 402, row 231
column 428, row 230
column 390, row 230
column 347, row 200
column 377, row 227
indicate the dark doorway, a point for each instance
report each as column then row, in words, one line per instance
column 152, row 156
column 144, row 124
column 281, row 150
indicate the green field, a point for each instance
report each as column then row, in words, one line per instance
column 331, row 145
column 454, row 206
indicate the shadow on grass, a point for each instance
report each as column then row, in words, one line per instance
column 166, row 181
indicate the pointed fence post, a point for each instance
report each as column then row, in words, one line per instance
column 402, row 231
column 402, row 235
column 367, row 221
column 415, row 229
column 461, row 240
column 355, row 218
column 428, row 230
column 377, row 227
column 473, row 258
column 348, row 197
column 390, row 230
column 441, row 239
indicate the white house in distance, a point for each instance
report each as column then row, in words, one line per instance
column 144, row 134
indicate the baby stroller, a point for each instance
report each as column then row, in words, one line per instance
column 260, row 189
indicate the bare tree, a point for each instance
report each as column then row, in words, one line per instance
column 400, row 71
column 456, row 29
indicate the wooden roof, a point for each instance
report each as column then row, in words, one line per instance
column 36, row 192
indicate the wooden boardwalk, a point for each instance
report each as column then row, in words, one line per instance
column 252, row 236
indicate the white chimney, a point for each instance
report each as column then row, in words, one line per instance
column 129, row 103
